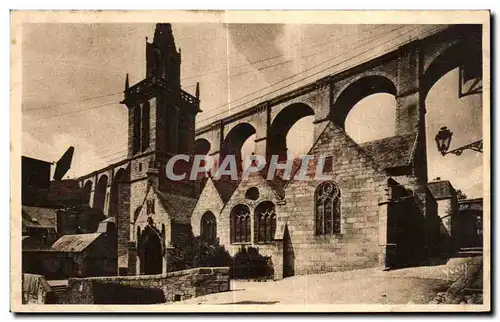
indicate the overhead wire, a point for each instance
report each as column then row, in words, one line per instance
column 307, row 77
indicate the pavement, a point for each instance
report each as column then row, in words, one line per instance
column 414, row 285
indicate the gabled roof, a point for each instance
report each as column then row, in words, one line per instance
column 179, row 207
column 74, row 243
column 39, row 217
column 391, row 152
column 441, row 189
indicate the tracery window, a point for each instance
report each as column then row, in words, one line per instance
column 240, row 224
column 327, row 204
column 208, row 228
column 265, row 222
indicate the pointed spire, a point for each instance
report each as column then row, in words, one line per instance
column 127, row 84
column 197, row 93
column 164, row 36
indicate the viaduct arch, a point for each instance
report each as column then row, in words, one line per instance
column 407, row 72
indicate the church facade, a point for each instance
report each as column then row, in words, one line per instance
column 375, row 209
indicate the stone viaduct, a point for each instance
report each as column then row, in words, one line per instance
column 407, row 72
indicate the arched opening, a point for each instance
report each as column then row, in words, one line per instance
column 208, row 228
column 120, row 176
column 464, row 116
column 100, row 193
column 357, row 91
column 150, row 252
column 372, row 118
column 234, row 143
column 446, row 105
column 240, row 224
column 466, row 54
column 145, row 125
column 202, row 146
column 265, row 222
column 87, row 189
column 292, row 129
column 136, row 137
column 171, row 128
column 183, row 130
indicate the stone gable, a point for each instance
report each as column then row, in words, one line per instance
column 266, row 193
column 160, row 215
column 362, row 187
column 209, row 200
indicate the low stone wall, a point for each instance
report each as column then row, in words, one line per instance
column 147, row 289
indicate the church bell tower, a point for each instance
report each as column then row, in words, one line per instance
column 161, row 114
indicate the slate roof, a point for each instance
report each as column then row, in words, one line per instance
column 74, row 243
column 39, row 217
column 441, row 189
column 471, row 204
column 179, row 207
column 391, row 152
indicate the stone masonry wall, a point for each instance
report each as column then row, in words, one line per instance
column 266, row 193
column 123, row 223
column 209, row 200
column 362, row 188
column 169, row 287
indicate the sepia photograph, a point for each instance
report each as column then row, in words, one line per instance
column 250, row 161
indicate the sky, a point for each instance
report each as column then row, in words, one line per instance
column 74, row 74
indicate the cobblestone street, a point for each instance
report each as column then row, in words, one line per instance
column 418, row 285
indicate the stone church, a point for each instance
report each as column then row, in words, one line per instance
column 377, row 209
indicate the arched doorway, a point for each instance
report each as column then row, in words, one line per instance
column 150, row 252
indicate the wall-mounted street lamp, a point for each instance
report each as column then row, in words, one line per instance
column 443, row 140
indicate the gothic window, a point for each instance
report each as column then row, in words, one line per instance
column 136, row 144
column 265, row 222
column 327, row 209
column 208, row 228
column 145, row 125
column 240, row 224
